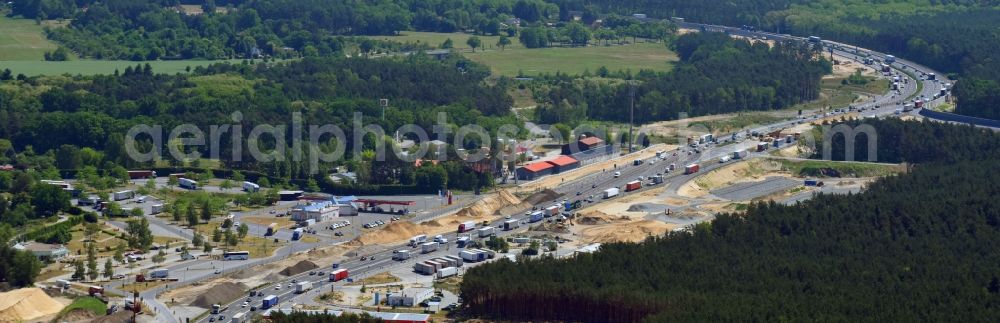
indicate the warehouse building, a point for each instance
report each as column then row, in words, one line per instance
column 318, row 211
column 582, row 145
column 534, row 170
column 563, row 164
column 409, row 297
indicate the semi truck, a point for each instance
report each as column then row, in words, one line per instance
column 466, row 226
column 141, row 174
column 156, row 209
column 552, row 210
column 417, row 240
column 159, row 273
column 238, row 318
column 269, row 301
column 691, row 169
column 461, row 242
column 632, row 186
column 486, row 231
column 272, row 229
column 510, row 224
column 123, row 195
column 339, row 274
column 187, row 183
column 401, row 255
column 428, row 247
column 297, row 234
column 611, row 192
column 740, row 154
column 657, row 179
column 218, row 308
column 536, row 216
column 251, row 187
column 302, row 287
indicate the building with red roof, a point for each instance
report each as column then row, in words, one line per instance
column 564, row 163
column 535, row 170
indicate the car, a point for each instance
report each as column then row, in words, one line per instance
column 211, row 319
column 245, row 304
column 295, row 281
column 321, row 273
column 373, row 258
column 218, row 271
column 618, row 174
column 273, row 212
column 593, row 185
column 222, row 317
column 363, row 258
column 118, row 276
column 339, row 234
column 253, row 308
column 312, row 273
column 289, row 285
column 578, row 193
column 278, row 286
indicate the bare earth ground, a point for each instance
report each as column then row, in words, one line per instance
column 552, row 181
column 739, row 172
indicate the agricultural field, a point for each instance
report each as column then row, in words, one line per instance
column 576, row 60
column 22, row 39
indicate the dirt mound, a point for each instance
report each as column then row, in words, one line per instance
column 118, row 317
column 219, row 294
column 490, row 205
column 26, row 304
column 625, row 231
column 598, row 217
column 300, row 267
column 542, row 197
column 78, row 315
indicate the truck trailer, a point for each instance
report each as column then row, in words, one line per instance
column 427, row 247
column 297, row 234
column 123, row 195
column 691, row 169
column 486, row 231
column 536, row 216
column 187, row 183
column 632, row 186
column 339, row 274
column 251, row 187
column 447, row 272
column 303, row 287
column 269, row 301
column 510, row 224
column 611, row 192
column 466, row 226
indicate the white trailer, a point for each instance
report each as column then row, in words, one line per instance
column 428, row 247
column 122, row 195
column 611, row 192
column 447, row 272
column 187, row 183
column 486, row 231
column 511, row 224
column 401, row 255
column 303, row 287
column 156, row 209
column 416, row 240
column 238, row 318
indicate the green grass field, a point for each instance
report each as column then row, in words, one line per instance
column 91, row 67
column 86, row 303
column 576, row 60
column 22, row 39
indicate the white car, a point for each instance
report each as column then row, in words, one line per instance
column 245, row 304
column 618, row 174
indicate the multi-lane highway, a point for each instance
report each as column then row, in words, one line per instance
column 594, row 184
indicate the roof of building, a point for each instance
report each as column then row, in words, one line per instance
column 411, row 317
column 537, row 167
column 591, row 141
column 289, row 192
column 40, row 247
column 315, row 206
column 563, row 161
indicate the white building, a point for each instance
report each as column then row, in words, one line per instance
column 318, row 211
column 409, row 296
column 43, row 251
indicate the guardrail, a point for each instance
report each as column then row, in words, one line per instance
column 945, row 116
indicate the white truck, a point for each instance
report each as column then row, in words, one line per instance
column 251, row 187
column 159, row 273
column 511, row 224
column 302, row 287
column 156, row 209
column 486, row 231
column 447, row 272
column 417, row 240
column 187, row 183
column 428, row 247
column 238, row 318
column 122, row 195
column 611, row 192
column 401, row 255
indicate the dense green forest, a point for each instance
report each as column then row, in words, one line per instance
column 716, row 74
column 82, row 120
column 302, row 317
column 921, row 246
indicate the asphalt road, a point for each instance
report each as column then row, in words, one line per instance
column 595, row 184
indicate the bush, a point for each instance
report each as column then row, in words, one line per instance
column 90, row 217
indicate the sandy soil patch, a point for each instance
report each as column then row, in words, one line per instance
column 27, row 304
column 846, row 68
column 630, row 231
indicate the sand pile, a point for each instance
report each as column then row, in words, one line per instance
column 543, row 196
column 490, row 205
column 118, row 317
column 220, row 294
column 624, row 231
column 396, row 231
column 26, row 304
column 300, row 267
column 598, row 217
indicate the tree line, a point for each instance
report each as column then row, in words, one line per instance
column 927, row 234
column 715, row 74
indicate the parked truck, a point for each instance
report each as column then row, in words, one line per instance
column 467, row 226
column 339, row 274
column 510, row 224
column 632, row 186
column 417, row 240
column 428, row 247
column 447, row 272
column 486, row 231
column 187, row 183
column 123, row 195
column 269, row 301
column 302, row 287
column 611, row 192
column 691, row 169
column 141, row 174
column 251, row 187
column 156, row 209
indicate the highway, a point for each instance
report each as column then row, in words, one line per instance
column 594, row 184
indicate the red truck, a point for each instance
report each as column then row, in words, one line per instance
column 338, row 275
column 466, row 226
column 140, row 174
column 691, row 169
column 95, row 290
column 633, row 185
